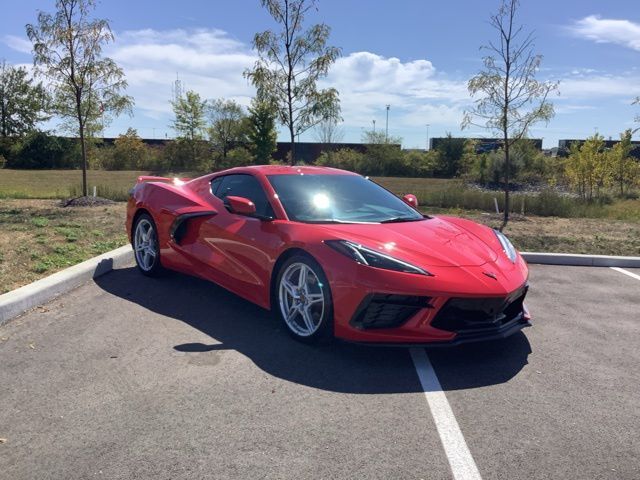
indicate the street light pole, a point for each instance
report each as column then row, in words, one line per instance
column 428, row 136
column 386, row 133
column 374, row 126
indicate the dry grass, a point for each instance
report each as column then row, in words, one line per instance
column 418, row 186
column 62, row 183
column 38, row 237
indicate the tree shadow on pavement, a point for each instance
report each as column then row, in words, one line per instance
column 337, row 366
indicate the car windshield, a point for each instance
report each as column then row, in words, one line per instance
column 339, row 199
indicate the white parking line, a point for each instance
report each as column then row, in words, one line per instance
column 462, row 465
column 622, row 270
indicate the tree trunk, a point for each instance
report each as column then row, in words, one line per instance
column 3, row 114
column 84, row 161
column 292, row 150
column 507, row 164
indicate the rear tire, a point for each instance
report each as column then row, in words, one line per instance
column 302, row 299
column 146, row 249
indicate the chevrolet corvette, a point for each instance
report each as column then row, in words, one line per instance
column 332, row 254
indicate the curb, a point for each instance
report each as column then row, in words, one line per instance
column 576, row 260
column 41, row 291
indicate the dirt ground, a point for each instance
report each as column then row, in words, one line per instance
column 39, row 237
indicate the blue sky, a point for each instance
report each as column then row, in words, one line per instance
column 415, row 55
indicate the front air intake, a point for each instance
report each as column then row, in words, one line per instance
column 383, row 310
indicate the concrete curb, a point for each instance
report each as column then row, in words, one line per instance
column 39, row 292
column 576, row 260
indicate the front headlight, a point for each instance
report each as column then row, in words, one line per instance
column 371, row 258
column 507, row 246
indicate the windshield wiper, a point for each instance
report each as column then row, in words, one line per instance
column 401, row 219
column 336, row 220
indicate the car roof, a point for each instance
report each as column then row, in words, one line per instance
column 288, row 170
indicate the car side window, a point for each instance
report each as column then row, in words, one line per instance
column 215, row 185
column 247, row 186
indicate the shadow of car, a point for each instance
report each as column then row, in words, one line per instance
column 235, row 324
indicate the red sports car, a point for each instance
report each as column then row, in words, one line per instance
column 333, row 254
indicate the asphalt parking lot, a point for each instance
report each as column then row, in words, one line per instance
column 131, row 377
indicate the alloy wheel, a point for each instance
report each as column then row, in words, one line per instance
column 301, row 299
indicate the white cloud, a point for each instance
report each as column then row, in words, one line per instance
column 207, row 61
column 606, row 30
column 594, row 87
column 19, row 44
column 417, row 93
column 211, row 63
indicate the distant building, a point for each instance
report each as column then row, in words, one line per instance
column 151, row 142
column 483, row 145
column 564, row 146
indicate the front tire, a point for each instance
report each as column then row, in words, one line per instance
column 304, row 299
column 146, row 249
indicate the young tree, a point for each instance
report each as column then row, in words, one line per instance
column 261, row 131
column 67, row 48
column 384, row 155
column 329, row 132
column 129, row 152
column 290, row 63
column 509, row 99
column 451, row 150
column 22, row 102
column 625, row 169
column 227, row 127
column 585, row 166
column 189, row 124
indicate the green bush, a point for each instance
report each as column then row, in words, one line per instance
column 38, row 150
column 345, row 158
column 238, row 157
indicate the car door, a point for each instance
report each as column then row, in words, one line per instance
column 238, row 249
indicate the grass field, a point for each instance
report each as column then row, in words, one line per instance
column 64, row 183
column 432, row 192
column 38, row 237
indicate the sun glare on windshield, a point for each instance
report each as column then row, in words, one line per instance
column 339, row 198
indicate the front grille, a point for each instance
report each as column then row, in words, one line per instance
column 382, row 310
column 467, row 315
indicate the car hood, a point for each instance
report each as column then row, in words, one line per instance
column 432, row 241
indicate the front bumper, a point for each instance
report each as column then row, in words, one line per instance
column 461, row 339
column 457, row 305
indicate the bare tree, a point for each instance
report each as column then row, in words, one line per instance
column 67, row 48
column 328, row 132
column 508, row 98
column 290, row 63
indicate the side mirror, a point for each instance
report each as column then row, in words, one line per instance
column 411, row 200
column 241, row 205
